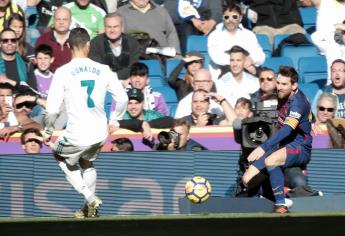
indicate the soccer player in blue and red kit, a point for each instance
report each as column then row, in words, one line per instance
column 291, row 144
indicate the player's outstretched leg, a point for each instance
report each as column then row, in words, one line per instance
column 277, row 182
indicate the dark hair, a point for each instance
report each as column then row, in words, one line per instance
column 7, row 29
column 45, row 49
column 78, row 38
column 22, row 38
column 181, row 122
column 338, row 61
column 231, row 6
column 6, row 86
column 139, row 69
column 262, row 69
column 30, row 130
column 236, row 49
column 244, row 101
column 123, row 144
column 290, row 72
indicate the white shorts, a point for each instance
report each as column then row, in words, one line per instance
column 72, row 153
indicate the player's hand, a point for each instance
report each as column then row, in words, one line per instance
column 256, row 154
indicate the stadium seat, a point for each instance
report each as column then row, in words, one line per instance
column 308, row 15
column 310, row 91
column 197, row 43
column 169, row 97
column 171, row 65
column 265, row 44
column 168, row 93
column 297, row 52
column 313, row 70
column 280, row 37
column 155, row 73
column 275, row 62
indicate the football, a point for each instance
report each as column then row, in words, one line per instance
column 198, row 189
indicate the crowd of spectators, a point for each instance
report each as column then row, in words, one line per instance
column 214, row 93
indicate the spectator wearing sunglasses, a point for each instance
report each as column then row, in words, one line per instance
column 12, row 64
column 337, row 86
column 229, row 33
column 326, row 108
column 21, row 110
column 35, row 107
column 31, row 140
column 268, row 86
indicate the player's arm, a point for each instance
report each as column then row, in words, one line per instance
column 118, row 93
column 54, row 102
column 291, row 122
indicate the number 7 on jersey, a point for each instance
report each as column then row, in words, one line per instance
column 90, row 84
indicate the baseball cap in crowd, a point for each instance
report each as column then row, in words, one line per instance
column 236, row 49
column 135, row 94
column 193, row 56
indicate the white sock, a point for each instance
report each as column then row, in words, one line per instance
column 76, row 180
column 90, row 178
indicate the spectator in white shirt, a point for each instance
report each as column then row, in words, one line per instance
column 229, row 33
column 237, row 83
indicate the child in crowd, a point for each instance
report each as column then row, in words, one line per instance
column 243, row 108
column 44, row 58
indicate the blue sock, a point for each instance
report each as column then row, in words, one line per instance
column 277, row 183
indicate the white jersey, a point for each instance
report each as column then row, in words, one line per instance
column 82, row 85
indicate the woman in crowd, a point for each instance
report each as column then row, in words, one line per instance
column 17, row 23
column 193, row 62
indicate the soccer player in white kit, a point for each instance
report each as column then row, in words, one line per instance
column 82, row 85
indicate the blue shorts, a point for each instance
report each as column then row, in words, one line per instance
column 296, row 155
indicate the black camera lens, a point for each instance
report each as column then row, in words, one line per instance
column 164, row 138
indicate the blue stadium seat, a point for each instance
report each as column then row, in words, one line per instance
column 169, row 97
column 168, row 93
column 265, row 44
column 155, row 73
column 279, row 37
column 172, row 108
column 297, row 52
column 310, row 91
column 313, row 70
column 197, row 43
column 275, row 62
column 308, row 15
column 171, row 65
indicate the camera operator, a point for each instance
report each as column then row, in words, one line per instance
column 178, row 138
column 268, row 86
column 200, row 106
